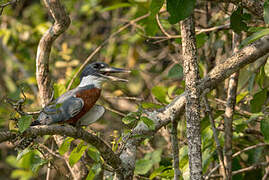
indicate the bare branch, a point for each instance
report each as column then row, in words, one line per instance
column 251, row 168
column 61, row 23
column 229, row 112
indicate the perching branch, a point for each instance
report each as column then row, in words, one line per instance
column 108, row 155
column 62, row 21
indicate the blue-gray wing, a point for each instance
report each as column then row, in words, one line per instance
column 61, row 111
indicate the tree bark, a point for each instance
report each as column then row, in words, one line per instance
column 192, row 106
column 62, row 21
column 229, row 112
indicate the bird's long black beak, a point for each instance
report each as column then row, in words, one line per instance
column 106, row 73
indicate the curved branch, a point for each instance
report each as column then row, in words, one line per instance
column 61, row 23
column 108, row 155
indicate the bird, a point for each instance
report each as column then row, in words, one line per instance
column 77, row 106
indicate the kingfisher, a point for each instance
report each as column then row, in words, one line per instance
column 77, row 106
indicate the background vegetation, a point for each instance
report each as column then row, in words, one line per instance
column 151, row 48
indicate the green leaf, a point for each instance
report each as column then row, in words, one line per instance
column 156, row 156
column 261, row 77
column 238, row 21
column 150, row 123
column 266, row 12
column 131, row 118
column 241, row 96
column 95, row 170
column 257, row 101
column 179, row 9
column 151, row 26
column 160, row 93
column 176, row 72
column 155, row 6
column 22, row 153
column 65, row 145
column 21, row 174
column 265, row 129
column 266, row 68
column 116, row 6
column 149, row 105
column 157, row 172
column 142, row 166
column 94, row 154
column 255, row 36
column 37, row 162
column 77, row 153
column 151, row 23
column 24, row 123
column 59, row 89
column 201, row 39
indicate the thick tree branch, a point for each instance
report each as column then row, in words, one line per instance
column 163, row 116
column 61, row 23
column 191, row 73
column 108, row 155
column 253, row 6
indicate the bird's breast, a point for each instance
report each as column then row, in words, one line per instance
column 89, row 97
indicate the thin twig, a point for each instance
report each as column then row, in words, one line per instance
column 249, row 148
column 161, row 27
column 250, row 168
column 2, row 6
column 18, row 105
column 121, row 97
column 237, row 108
column 234, row 155
column 215, row 131
column 49, row 165
column 115, row 111
column 50, row 151
column 175, row 149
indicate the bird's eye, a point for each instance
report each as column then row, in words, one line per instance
column 96, row 66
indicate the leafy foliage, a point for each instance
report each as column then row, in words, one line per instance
column 179, row 9
column 24, row 123
column 238, row 20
